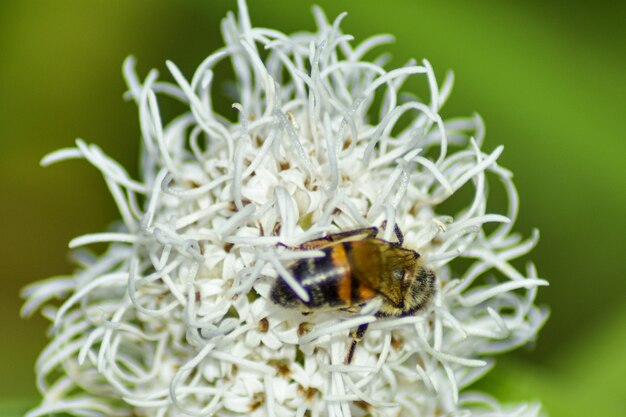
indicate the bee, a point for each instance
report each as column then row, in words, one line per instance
column 358, row 267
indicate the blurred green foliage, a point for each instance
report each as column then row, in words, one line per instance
column 547, row 77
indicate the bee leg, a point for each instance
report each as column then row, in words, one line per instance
column 396, row 231
column 369, row 231
column 336, row 237
column 356, row 336
column 312, row 244
column 399, row 234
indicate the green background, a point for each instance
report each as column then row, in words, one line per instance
column 547, row 77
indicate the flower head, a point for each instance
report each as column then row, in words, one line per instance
column 174, row 318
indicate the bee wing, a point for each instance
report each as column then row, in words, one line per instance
column 382, row 266
column 366, row 260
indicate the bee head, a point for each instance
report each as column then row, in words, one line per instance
column 419, row 289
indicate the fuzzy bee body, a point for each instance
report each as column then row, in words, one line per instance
column 330, row 282
column 356, row 270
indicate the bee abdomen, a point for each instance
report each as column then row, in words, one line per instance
column 283, row 295
column 327, row 280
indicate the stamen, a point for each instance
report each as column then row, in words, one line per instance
column 327, row 329
column 64, row 154
column 102, row 237
column 478, row 296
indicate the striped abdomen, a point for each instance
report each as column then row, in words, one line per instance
column 328, row 280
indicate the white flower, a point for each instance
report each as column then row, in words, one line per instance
column 174, row 318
